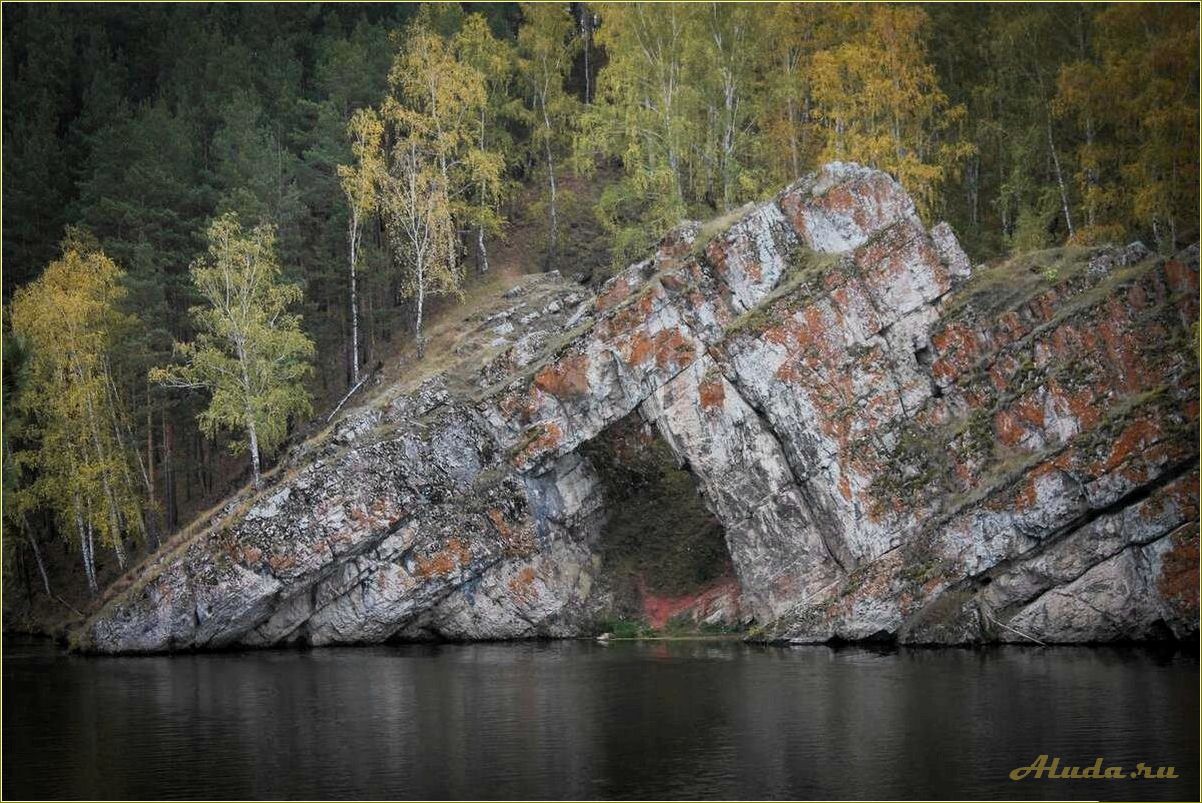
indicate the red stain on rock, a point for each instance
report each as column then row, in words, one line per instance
column 659, row 610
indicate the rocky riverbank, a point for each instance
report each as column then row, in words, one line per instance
column 890, row 443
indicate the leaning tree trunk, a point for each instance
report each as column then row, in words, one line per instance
column 113, row 515
column 85, row 547
column 253, row 436
column 37, row 556
column 1068, row 218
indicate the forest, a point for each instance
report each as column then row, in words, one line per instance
column 221, row 220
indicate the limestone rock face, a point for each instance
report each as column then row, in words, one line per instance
column 896, row 445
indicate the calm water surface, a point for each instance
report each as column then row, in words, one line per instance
column 584, row 720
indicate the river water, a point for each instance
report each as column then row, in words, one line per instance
column 584, row 720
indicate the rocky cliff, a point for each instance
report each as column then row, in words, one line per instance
column 892, row 444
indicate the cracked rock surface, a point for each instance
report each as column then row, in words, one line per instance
column 897, row 446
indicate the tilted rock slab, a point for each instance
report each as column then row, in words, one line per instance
column 897, row 448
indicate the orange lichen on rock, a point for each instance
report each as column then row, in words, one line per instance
column 666, row 347
column 1178, row 580
column 515, row 541
column 455, row 555
column 519, row 407
column 280, row 563
column 1028, row 491
column 615, row 294
column 718, row 253
column 958, row 350
column 1009, row 428
column 565, row 379
column 711, row 394
column 538, row 439
column 522, row 587
column 1135, row 437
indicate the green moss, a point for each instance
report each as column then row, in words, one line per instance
column 624, row 628
column 717, row 226
column 803, row 275
column 917, row 464
column 1016, row 281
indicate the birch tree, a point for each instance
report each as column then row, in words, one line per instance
column 731, row 30
column 640, row 116
column 250, row 353
column 417, row 212
column 880, row 102
column 80, row 460
column 493, row 58
column 547, row 47
column 360, row 183
column 435, row 96
column 434, row 163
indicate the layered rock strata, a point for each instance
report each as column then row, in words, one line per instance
column 897, row 446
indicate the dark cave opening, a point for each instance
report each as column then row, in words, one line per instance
column 659, row 539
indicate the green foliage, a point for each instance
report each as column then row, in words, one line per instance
column 880, row 102
column 73, row 459
column 547, row 48
column 250, row 353
column 1134, row 95
column 1026, row 127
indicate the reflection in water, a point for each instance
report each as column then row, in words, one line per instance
column 583, row 720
